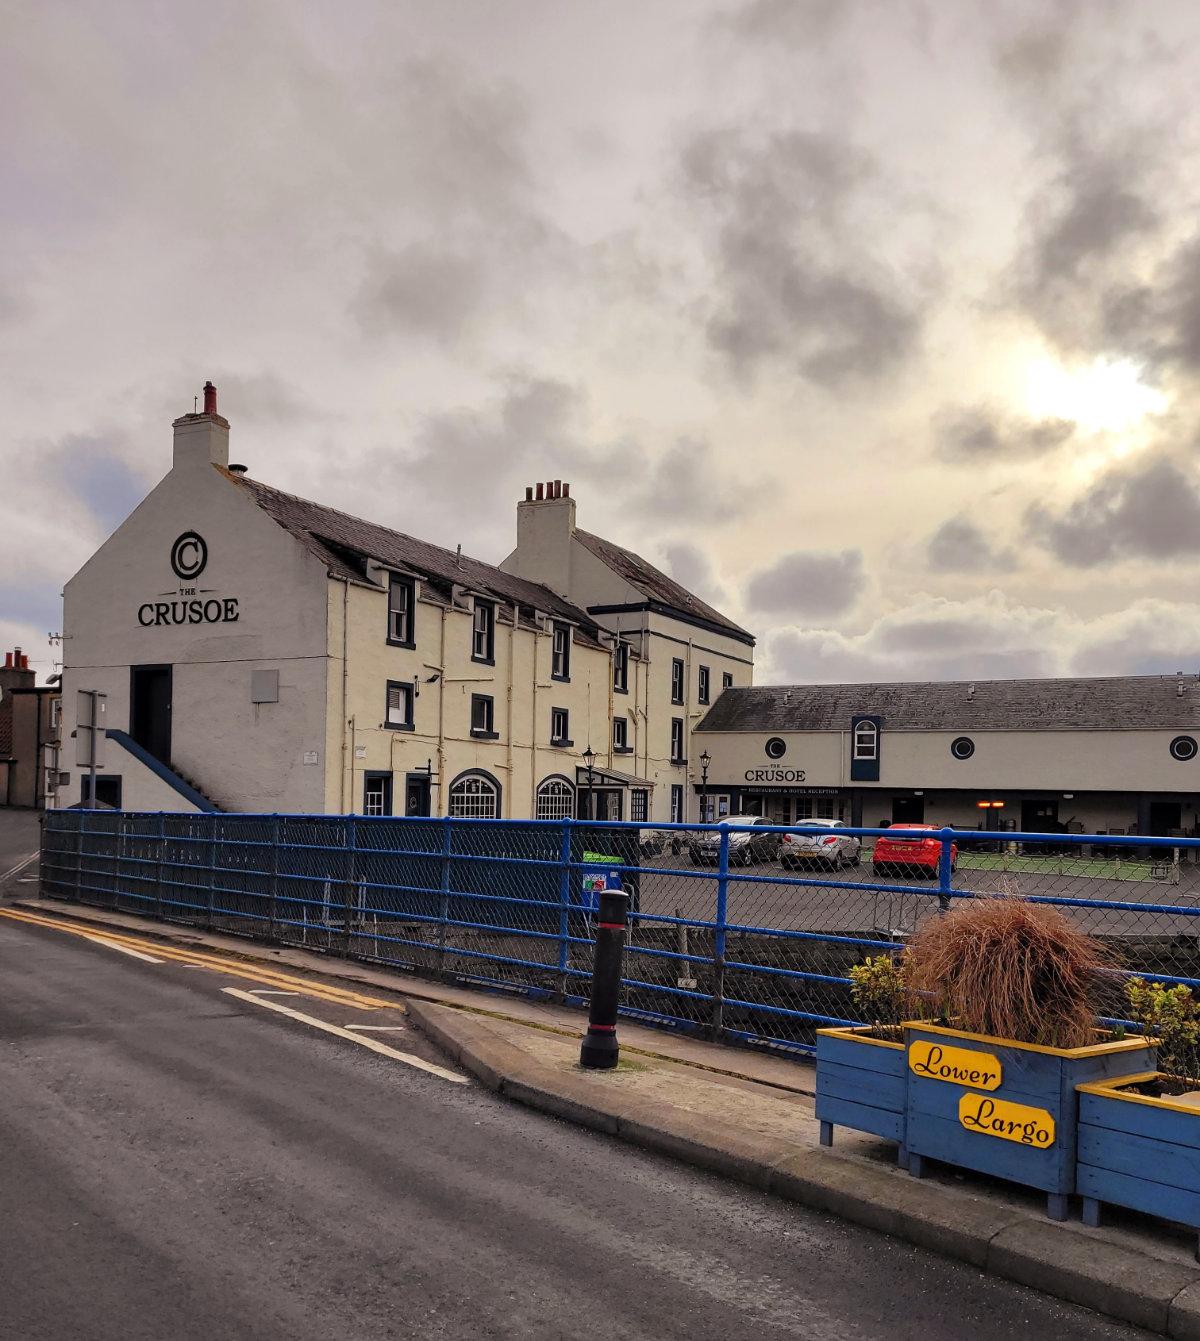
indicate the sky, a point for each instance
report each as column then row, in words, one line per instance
column 875, row 322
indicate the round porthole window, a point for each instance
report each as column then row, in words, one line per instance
column 1183, row 747
column 962, row 747
column 776, row 748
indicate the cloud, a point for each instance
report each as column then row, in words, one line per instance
column 797, row 282
column 783, row 22
column 1148, row 510
column 691, row 566
column 984, row 433
column 808, row 582
column 960, row 546
column 420, row 290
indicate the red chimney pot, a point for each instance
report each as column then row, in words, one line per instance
column 8, row 661
column 539, row 492
column 210, row 398
column 566, row 491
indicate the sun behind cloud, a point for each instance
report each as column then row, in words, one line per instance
column 1103, row 396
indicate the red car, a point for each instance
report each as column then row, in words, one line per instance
column 906, row 847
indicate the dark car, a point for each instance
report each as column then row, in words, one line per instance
column 744, row 847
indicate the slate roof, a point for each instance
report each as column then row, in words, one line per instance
column 1108, row 704
column 343, row 543
column 656, row 585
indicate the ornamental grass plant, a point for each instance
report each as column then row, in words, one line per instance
column 1009, row 969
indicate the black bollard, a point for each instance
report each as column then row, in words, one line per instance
column 600, row 1051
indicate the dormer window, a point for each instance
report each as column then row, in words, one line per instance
column 866, row 741
column 483, row 633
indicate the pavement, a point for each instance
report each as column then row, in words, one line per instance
column 199, row 1144
column 20, row 835
column 746, row 1116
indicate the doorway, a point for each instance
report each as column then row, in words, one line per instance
column 602, row 803
column 150, row 709
column 416, row 794
column 377, row 794
column 1040, row 817
column 1166, row 818
column 108, row 790
column 908, row 810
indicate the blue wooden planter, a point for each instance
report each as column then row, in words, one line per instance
column 1005, row 1108
column 860, row 1084
column 1138, row 1151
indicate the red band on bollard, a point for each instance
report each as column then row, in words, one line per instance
column 602, row 1028
column 611, row 926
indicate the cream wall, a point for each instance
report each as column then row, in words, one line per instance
column 244, row 756
column 519, row 683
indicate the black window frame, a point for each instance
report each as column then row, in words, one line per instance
column 411, row 687
column 621, row 720
column 489, row 731
column 488, row 656
column 677, row 732
column 676, row 803
column 621, row 667
column 378, row 775
column 639, row 799
column 563, row 675
column 409, row 585
column 678, row 679
column 565, row 739
column 726, row 680
column 703, row 684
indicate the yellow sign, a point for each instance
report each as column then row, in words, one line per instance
column 958, row 1066
column 1011, row 1122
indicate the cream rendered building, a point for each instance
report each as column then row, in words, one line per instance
column 257, row 652
column 674, row 654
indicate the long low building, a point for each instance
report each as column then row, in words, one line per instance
column 1107, row 755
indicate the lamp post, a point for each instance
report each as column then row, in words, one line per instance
column 705, row 760
column 589, row 762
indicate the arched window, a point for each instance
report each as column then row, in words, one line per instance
column 555, row 800
column 474, row 796
column 866, row 741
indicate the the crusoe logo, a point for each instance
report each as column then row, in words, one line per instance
column 958, row 1066
column 189, row 554
column 189, row 557
column 1011, row 1122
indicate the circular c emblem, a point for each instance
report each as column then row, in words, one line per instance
column 1183, row 748
column 775, row 748
column 189, row 554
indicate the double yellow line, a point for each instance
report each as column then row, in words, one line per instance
column 268, row 977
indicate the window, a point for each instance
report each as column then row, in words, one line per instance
column 555, row 800
column 483, row 635
column 55, row 714
column 814, row 807
column 676, row 680
column 866, row 741
column 621, row 735
column 726, row 680
column 560, row 727
column 702, row 687
column 677, row 740
column 639, row 805
column 621, row 667
column 474, row 796
column 399, row 706
column 483, row 708
column 676, row 805
column 377, row 794
column 561, row 669
column 401, row 599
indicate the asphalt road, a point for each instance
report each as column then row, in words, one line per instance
column 179, row 1162
column 20, row 834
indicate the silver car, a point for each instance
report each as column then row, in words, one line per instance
column 705, row 848
column 833, row 847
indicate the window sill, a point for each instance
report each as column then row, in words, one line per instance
column 677, row 703
column 409, row 645
column 484, row 735
column 702, row 703
column 562, row 679
column 622, row 749
column 399, row 726
column 618, row 689
column 679, row 763
column 562, row 744
column 484, row 661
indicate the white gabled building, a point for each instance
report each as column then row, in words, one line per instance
column 258, row 652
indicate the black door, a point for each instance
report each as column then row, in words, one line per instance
column 108, row 791
column 908, row 810
column 416, row 794
column 1166, row 818
column 150, row 709
column 1040, row 817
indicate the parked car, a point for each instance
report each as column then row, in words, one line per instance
column 905, row 847
column 744, row 848
column 834, row 848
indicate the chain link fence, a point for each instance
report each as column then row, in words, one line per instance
column 736, row 932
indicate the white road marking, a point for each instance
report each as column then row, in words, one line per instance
column 263, row 991
column 378, row 1028
column 124, row 949
column 20, row 866
column 406, row 1057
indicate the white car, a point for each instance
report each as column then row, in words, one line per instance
column 833, row 847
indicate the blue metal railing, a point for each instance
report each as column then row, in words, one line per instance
column 746, row 952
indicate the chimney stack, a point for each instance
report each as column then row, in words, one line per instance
column 202, row 439
column 545, row 532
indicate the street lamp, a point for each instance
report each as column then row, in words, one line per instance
column 589, row 762
column 705, row 760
